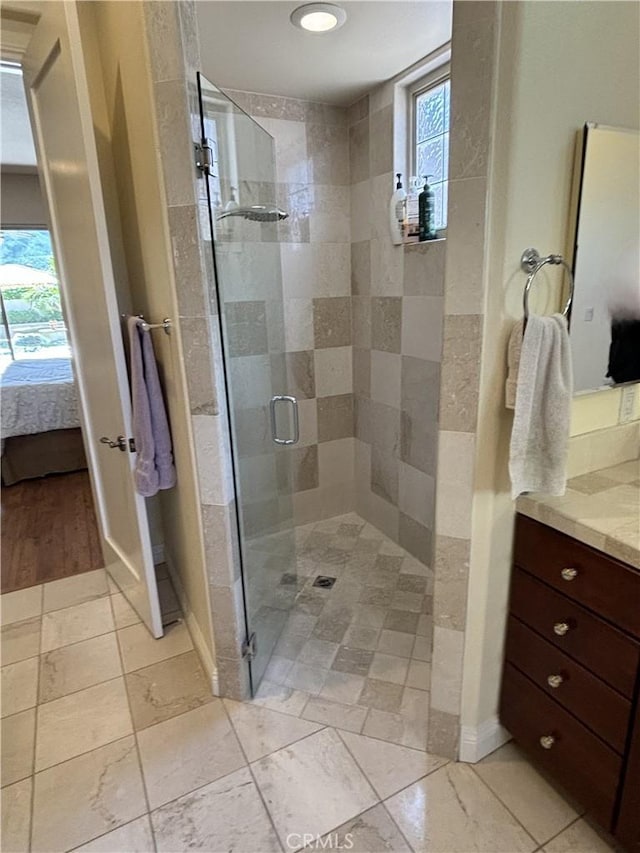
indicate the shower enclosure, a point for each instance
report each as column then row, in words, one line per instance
column 239, row 163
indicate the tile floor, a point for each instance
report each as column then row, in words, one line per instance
column 359, row 653
column 111, row 741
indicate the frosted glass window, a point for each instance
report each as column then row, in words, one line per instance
column 432, row 112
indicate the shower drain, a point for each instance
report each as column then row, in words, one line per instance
column 324, row 582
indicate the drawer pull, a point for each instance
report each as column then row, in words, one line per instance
column 569, row 574
column 547, row 741
column 554, row 680
column 560, row 628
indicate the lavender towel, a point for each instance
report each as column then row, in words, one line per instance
column 154, row 469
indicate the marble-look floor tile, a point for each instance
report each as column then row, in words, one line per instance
column 15, row 804
column 371, row 832
column 452, row 811
column 281, row 698
column 194, row 821
column 21, row 604
column 134, row 837
column 342, row 687
column 382, row 695
column 579, row 838
column 307, row 678
column 313, row 785
column 72, row 668
column 20, row 640
column 419, row 675
column 140, row 649
column 396, row 728
column 123, row 613
column 167, row 689
column 87, row 796
column 387, row 766
column 389, row 668
column 81, row 722
column 396, row 643
column 19, row 686
column 348, row 717
column 188, row 751
column 73, row 624
column 262, row 731
column 540, row 809
column 18, row 737
column 74, row 590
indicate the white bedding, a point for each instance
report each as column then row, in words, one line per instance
column 37, row 395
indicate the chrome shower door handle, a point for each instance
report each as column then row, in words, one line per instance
column 284, row 398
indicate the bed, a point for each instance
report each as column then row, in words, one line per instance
column 40, row 422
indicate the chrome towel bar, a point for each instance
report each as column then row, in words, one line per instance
column 531, row 262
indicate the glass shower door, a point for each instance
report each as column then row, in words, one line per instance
column 241, row 195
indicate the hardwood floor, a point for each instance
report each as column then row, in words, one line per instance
column 49, row 530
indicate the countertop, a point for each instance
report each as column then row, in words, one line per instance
column 601, row 509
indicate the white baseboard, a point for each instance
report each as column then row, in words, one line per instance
column 478, row 741
column 194, row 629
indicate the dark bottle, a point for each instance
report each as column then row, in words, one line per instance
column 427, row 212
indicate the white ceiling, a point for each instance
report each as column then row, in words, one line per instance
column 16, row 139
column 253, row 46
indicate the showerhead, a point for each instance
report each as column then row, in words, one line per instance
column 256, row 213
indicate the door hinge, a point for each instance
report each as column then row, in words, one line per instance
column 249, row 647
column 206, row 157
column 132, row 445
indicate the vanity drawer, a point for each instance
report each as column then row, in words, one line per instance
column 592, row 701
column 598, row 646
column 601, row 583
column 576, row 758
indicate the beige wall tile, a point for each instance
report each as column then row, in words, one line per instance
column 332, row 322
column 361, row 372
column 301, row 382
column 333, row 371
column 424, row 268
column 465, row 244
column 290, row 148
column 385, row 378
column 174, row 137
column 422, row 327
column 452, row 577
column 416, row 538
column 381, row 140
column 360, row 268
column 213, row 454
column 446, row 669
column 361, row 322
column 335, row 417
column 416, row 496
column 361, row 211
column 454, row 485
column 188, row 262
column 308, row 419
column 460, row 384
column 386, row 323
column 298, row 324
column 359, row 150
column 328, row 152
column 384, row 475
column 301, row 463
column 329, row 220
column 197, row 354
column 310, row 271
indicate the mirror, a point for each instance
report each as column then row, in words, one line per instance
column 605, row 317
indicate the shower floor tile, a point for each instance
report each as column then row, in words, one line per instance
column 360, row 642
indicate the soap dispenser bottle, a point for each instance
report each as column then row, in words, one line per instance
column 397, row 212
column 427, row 212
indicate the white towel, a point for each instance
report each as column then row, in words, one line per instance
column 513, row 364
column 540, row 434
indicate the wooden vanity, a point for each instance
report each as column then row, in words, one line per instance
column 571, row 680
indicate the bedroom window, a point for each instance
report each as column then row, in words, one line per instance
column 32, row 325
column 430, row 114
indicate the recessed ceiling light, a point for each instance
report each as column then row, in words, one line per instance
column 319, row 17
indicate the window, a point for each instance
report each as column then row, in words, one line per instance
column 32, row 324
column 430, row 138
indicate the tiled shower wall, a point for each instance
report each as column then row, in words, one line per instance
column 312, row 163
column 397, row 341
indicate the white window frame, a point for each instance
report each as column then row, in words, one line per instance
column 428, row 81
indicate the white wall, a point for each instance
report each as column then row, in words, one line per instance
column 22, row 202
column 561, row 64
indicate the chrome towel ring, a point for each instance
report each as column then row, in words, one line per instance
column 532, row 263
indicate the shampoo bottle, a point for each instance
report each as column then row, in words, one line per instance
column 427, row 212
column 397, row 212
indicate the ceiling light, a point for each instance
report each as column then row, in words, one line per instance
column 319, row 17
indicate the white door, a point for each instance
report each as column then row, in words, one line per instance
column 58, row 97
